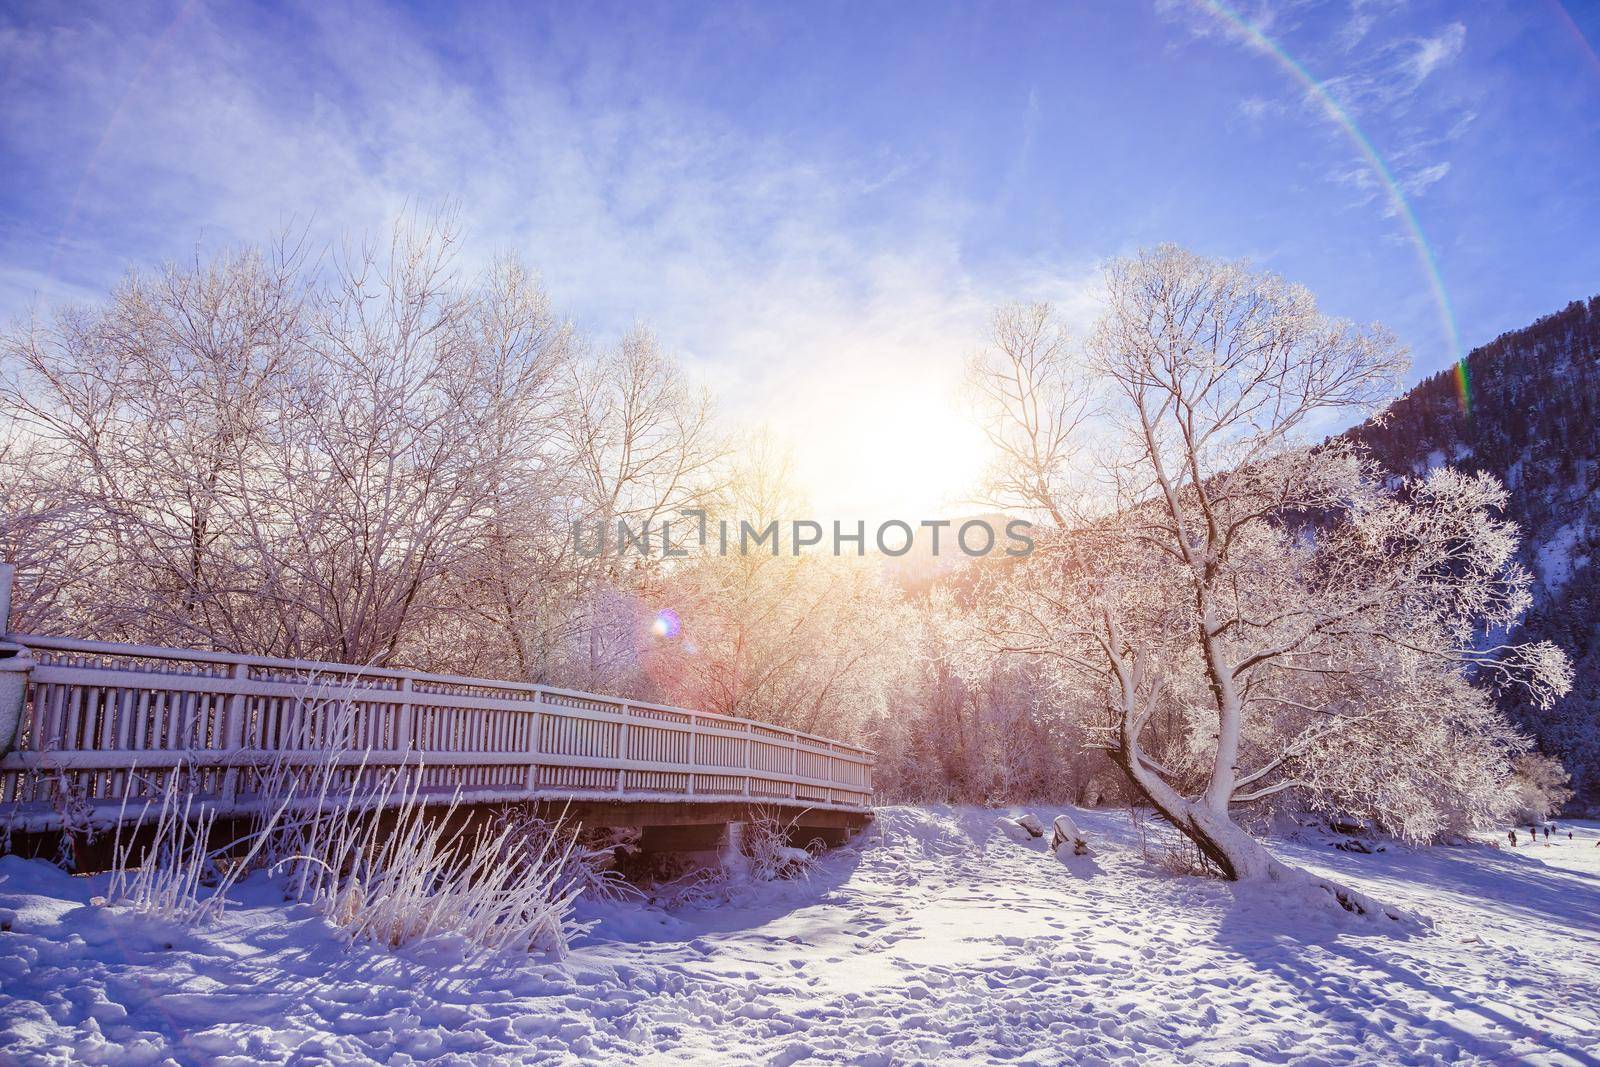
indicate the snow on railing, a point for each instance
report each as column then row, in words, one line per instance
column 106, row 723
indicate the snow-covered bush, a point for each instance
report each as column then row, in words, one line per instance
column 177, row 876
column 1015, row 829
column 1168, row 850
column 362, row 845
column 965, row 726
column 1064, row 833
column 408, row 875
column 765, row 843
column 1539, row 786
column 765, row 854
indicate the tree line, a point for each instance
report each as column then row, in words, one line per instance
column 371, row 455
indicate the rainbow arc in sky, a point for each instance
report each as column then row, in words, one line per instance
column 1352, row 130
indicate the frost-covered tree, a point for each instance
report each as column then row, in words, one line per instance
column 372, row 456
column 1539, row 786
column 1033, row 406
column 1532, row 418
column 803, row 638
column 642, row 446
column 969, row 726
column 1300, row 619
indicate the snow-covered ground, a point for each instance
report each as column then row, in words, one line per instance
column 932, row 939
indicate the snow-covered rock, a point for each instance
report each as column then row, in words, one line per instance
column 1064, row 833
column 1014, row 829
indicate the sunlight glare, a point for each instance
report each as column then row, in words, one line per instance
column 904, row 451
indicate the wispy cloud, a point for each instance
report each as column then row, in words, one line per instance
column 1417, row 182
column 1430, row 53
column 1370, row 59
column 1362, row 17
column 1386, row 81
column 1256, row 109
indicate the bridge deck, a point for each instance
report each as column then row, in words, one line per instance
column 105, row 725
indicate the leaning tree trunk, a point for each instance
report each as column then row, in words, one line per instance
column 1237, row 854
column 1206, row 820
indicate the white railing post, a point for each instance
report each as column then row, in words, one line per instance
column 233, row 736
column 622, row 753
column 403, row 740
column 8, row 574
column 15, row 664
column 694, row 750
column 536, row 743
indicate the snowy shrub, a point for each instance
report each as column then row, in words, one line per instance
column 71, row 803
column 765, row 845
column 167, row 878
column 1065, row 833
column 408, row 876
column 697, row 887
column 1180, row 856
column 1539, row 786
column 765, row 854
column 1169, row 850
column 1015, row 830
column 970, row 727
column 361, row 845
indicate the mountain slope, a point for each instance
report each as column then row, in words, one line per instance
column 1530, row 413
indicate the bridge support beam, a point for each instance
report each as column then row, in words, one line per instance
column 700, row 845
column 732, row 857
column 660, row 813
column 833, row 836
column 706, row 837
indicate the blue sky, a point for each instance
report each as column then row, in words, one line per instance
column 815, row 204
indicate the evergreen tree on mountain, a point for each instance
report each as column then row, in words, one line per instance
column 1531, row 418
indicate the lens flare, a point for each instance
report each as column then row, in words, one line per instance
column 666, row 624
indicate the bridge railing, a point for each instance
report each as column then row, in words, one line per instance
column 103, row 725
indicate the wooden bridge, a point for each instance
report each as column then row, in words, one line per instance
column 102, row 726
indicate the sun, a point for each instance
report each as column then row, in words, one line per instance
column 904, row 451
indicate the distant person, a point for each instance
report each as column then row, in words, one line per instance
column 1569, row 835
column 1547, row 833
column 1511, row 835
